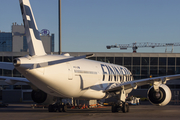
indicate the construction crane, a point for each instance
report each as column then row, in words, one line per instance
column 135, row 45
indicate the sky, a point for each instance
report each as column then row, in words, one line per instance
column 91, row 25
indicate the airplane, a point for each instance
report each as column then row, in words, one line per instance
column 65, row 76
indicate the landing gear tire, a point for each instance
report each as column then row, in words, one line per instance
column 125, row 107
column 62, row 108
column 114, row 108
column 52, row 108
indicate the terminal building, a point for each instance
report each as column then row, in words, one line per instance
column 15, row 41
column 142, row 65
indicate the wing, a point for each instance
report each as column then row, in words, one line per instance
column 134, row 84
column 14, row 80
column 6, row 65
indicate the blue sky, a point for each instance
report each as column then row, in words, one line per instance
column 90, row 25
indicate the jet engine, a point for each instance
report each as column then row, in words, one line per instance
column 39, row 96
column 162, row 97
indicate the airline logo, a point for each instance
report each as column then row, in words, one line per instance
column 30, row 19
column 115, row 73
column 31, row 23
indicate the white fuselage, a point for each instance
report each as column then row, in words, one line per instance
column 81, row 78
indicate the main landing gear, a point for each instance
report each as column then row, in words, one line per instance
column 58, row 106
column 121, row 105
column 124, row 107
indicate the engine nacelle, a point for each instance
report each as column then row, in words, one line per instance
column 39, row 96
column 160, row 98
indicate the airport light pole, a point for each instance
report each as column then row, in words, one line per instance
column 59, row 6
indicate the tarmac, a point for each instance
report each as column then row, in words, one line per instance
column 139, row 112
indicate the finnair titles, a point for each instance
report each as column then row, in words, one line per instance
column 115, row 73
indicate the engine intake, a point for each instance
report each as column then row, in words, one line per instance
column 160, row 98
